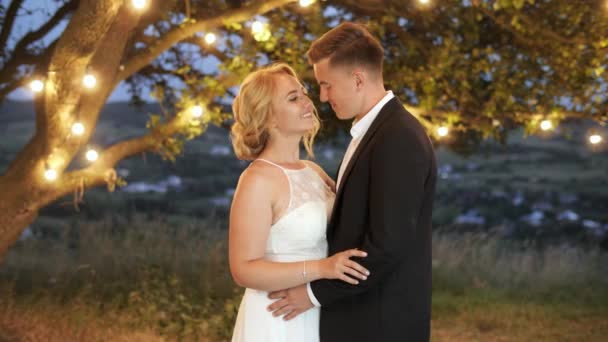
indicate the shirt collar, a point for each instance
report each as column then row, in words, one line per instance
column 360, row 127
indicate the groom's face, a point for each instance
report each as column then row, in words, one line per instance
column 338, row 87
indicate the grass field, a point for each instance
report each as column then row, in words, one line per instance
column 148, row 280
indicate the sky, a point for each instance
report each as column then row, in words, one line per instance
column 32, row 15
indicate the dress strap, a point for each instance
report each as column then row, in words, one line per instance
column 288, row 181
column 271, row 163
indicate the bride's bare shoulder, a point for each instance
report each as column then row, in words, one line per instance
column 259, row 175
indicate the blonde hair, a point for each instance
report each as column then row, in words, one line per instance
column 252, row 109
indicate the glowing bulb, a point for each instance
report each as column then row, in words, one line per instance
column 210, row 38
column 89, row 81
column 260, row 31
column 257, row 27
column 139, row 4
column 78, row 128
column 197, row 111
column 92, row 155
column 37, row 86
column 50, row 175
column 546, row 125
column 595, row 139
column 443, row 131
column 306, row 3
column 424, row 2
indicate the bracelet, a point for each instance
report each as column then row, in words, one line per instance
column 304, row 271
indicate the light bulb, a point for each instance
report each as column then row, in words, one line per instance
column 546, row 125
column 89, row 81
column 50, row 175
column 306, row 3
column 210, row 38
column 595, row 139
column 78, row 128
column 197, row 111
column 92, row 155
column 443, row 131
column 140, row 4
column 257, row 27
column 424, row 2
column 36, row 86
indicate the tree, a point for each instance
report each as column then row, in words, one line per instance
column 481, row 67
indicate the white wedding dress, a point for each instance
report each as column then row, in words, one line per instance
column 296, row 236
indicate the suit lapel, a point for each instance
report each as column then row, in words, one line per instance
column 384, row 113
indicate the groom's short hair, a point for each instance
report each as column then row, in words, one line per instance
column 348, row 44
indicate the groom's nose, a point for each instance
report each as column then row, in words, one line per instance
column 323, row 95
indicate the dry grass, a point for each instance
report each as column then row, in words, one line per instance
column 521, row 322
column 44, row 323
column 163, row 280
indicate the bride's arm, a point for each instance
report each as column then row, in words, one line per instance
column 250, row 221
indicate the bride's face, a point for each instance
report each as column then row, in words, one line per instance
column 292, row 109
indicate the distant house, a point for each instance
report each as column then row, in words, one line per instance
column 518, row 199
column 568, row 215
column 172, row 182
column 220, row 150
column 470, row 217
column 26, row 234
column 535, row 218
column 220, row 201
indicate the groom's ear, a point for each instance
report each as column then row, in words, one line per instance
column 359, row 78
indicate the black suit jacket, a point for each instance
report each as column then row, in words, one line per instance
column 383, row 207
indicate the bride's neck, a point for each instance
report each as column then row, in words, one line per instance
column 284, row 150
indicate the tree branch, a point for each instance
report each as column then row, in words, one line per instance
column 178, row 34
column 42, row 31
column 97, row 174
column 7, row 25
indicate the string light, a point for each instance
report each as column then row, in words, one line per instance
column 78, row 128
column 139, row 4
column 210, row 38
column 50, row 175
column 36, row 86
column 260, row 31
column 595, row 139
column 89, row 81
column 92, row 155
column 257, row 27
column 546, row 125
column 197, row 111
column 443, row 131
column 306, row 3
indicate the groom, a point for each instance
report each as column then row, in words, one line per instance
column 383, row 204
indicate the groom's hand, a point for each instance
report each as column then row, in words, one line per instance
column 290, row 303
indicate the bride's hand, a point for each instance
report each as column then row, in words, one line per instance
column 339, row 266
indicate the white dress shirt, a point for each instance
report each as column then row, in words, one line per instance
column 357, row 132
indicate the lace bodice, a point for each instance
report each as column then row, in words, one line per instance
column 300, row 232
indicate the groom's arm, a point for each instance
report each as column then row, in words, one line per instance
column 399, row 171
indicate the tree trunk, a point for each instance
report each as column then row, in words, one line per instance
column 17, row 211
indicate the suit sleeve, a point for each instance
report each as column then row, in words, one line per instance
column 399, row 170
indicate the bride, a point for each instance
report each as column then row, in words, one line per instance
column 280, row 208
